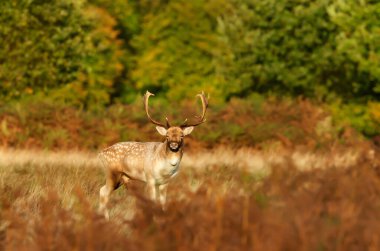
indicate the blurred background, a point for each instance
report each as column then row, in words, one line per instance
column 302, row 71
column 288, row 156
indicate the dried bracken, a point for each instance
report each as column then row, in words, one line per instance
column 240, row 123
column 215, row 208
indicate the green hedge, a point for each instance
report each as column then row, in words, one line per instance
column 66, row 50
column 318, row 49
column 321, row 49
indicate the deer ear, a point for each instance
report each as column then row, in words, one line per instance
column 161, row 130
column 188, row 130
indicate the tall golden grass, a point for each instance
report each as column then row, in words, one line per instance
column 223, row 199
column 249, row 159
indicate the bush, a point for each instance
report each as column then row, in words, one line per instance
column 175, row 48
column 365, row 118
column 241, row 122
column 62, row 49
column 318, row 49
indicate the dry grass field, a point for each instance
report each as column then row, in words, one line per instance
column 222, row 199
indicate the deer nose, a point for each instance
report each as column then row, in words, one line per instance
column 173, row 145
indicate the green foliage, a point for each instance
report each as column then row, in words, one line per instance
column 175, row 48
column 363, row 117
column 66, row 50
column 311, row 48
column 38, row 45
column 86, row 54
column 127, row 14
column 100, row 65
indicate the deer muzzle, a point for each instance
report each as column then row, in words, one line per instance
column 174, row 146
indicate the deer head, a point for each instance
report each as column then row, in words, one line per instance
column 175, row 134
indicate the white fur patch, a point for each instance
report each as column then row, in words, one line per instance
column 161, row 130
column 188, row 130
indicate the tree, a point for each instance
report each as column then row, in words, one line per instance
column 66, row 50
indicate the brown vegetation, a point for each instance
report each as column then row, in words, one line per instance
column 240, row 123
column 290, row 179
column 52, row 206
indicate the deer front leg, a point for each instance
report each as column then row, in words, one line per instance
column 152, row 189
column 162, row 189
column 157, row 193
column 112, row 183
column 104, row 195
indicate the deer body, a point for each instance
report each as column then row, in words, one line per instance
column 152, row 162
column 142, row 161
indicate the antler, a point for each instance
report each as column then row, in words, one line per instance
column 204, row 108
column 146, row 99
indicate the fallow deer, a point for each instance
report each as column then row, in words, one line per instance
column 155, row 163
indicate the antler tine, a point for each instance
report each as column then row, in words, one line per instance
column 146, row 100
column 184, row 122
column 167, row 122
column 202, row 117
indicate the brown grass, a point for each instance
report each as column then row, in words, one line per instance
column 249, row 159
column 49, row 201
